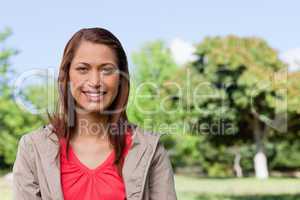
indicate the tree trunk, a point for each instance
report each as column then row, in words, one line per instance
column 237, row 165
column 260, row 159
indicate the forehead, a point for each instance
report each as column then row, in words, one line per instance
column 94, row 53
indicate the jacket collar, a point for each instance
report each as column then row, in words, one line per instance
column 135, row 140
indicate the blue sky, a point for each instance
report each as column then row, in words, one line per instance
column 41, row 29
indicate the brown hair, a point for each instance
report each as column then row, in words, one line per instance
column 64, row 118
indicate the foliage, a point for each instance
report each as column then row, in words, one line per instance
column 14, row 121
column 234, row 94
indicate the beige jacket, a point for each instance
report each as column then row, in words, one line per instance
column 147, row 171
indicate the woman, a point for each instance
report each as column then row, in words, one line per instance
column 89, row 150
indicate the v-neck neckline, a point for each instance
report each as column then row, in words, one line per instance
column 107, row 160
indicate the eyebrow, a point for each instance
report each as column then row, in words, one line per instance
column 87, row 64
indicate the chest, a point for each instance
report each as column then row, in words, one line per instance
column 91, row 156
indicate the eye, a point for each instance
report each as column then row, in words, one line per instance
column 108, row 70
column 82, row 69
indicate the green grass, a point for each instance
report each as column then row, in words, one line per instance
column 240, row 197
column 5, row 190
column 237, row 189
column 221, row 189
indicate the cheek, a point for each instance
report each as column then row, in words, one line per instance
column 75, row 84
column 113, row 84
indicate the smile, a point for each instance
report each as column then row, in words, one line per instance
column 94, row 96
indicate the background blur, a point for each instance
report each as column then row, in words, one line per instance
column 218, row 79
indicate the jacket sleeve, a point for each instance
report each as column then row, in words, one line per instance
column 25, row 184
column 161, row 177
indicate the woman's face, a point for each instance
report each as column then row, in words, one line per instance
column 94, row 76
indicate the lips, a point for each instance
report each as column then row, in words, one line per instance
column 95, row 95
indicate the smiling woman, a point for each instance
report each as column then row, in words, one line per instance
column 94, row 77
column 89, row 149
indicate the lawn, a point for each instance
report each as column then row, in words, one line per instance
column 5, row 190
column 221, row 189
column 237, row 189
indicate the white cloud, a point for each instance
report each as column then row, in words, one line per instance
column 292, row 58
column 182, row 51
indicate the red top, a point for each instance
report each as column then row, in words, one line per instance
column 80, row 182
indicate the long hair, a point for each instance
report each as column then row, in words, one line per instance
column 64, row 117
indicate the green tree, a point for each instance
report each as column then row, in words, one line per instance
column 287, row 146
column 153, row 104
column 153, row 66
column 14, row 121
column 237, row 95
column 147, row 106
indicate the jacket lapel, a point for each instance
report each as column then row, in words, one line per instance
column 136, row 151
column 136, row 164
column 52, row 165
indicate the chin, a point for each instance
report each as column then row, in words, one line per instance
column 94, row 108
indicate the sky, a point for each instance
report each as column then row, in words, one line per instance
column 42, row 28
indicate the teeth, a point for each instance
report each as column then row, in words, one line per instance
column 97, row 93
column 94, row 95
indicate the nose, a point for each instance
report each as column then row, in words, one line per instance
column 94, row 79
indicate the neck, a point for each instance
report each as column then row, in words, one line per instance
column 91, row 126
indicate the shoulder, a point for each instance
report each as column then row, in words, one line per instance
column 36, row 136
column 150, row 138
column 146, row 137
